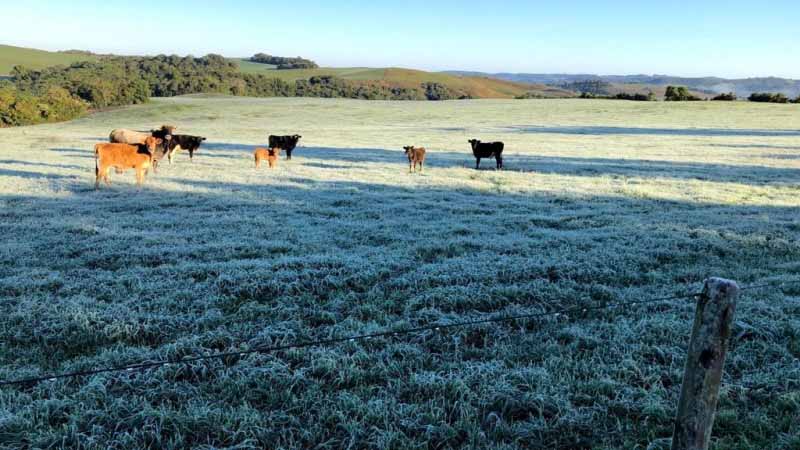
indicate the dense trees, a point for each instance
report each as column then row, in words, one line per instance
column 729, row 97
column 679, row 94
column 767, row 97
column 283, row 63
column 595, row 87
column 639, row 97
column 21, row 108
column 64, row 92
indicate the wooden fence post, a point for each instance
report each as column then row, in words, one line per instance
column 706, row 357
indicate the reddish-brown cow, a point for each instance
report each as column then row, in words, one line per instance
column 270, row 155
column 415, row 156
column 123, row 157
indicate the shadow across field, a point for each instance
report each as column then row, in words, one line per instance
column 124, row 275
column 638, row 131
column 785, row 157
column 745, row 174
column 75, row 152
column 40, row 164
column 756, row 146
column 331, row 158
column 27, row 174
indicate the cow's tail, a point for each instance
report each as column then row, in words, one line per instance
column 96, row 158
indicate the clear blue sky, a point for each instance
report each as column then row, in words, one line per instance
column 704, row 37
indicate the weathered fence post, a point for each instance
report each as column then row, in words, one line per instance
column 701, row 379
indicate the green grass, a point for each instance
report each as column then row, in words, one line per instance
column 35, row 59
column 601, row 201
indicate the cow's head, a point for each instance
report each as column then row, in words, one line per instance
column 408, row 149
column 151, row 143
column 194, row 144
column 474, row 143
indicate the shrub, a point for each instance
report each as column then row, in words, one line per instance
column 767, row 97
column 729, row 97
column 438, row 91
column 20, row 108
column 649, row 97
column 679, row 94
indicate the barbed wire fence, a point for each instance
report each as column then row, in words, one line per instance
column 565, row 312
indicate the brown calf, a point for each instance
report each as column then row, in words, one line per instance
column 415, row 156
column 123, row 157
column 270, row 155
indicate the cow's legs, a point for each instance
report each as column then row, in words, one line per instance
column 420, row 167
column 499, row 162
column 105, row 175
column 477, row 163
column 288, row 155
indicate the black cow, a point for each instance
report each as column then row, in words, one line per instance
column 183, row 142
column 487, row 150
column 287, row 143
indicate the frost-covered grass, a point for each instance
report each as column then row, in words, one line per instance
column 602, row 201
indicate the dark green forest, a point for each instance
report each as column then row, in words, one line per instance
column 283, row 63
column 65, row 92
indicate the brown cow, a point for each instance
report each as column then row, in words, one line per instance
column 270, row 155
column 123, row 157
column 415, row 156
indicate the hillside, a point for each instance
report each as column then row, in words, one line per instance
column 475, row 86
column 742, row 87
column 11, row 56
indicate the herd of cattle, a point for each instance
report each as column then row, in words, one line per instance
column 141, row 150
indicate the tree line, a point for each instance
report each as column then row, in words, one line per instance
column 283, row 63
column 65, row 92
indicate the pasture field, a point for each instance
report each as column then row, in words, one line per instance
column 11, row 56
column 601, row 202
column 477, row 87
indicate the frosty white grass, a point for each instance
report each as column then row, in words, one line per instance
column 602, row 201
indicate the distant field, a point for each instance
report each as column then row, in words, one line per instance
column 602, row 201
column 477, row 87
column 34, row 59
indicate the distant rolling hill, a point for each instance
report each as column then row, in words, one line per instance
column 710, row 85
column 475, row 86
column 11, row 56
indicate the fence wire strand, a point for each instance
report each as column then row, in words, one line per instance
column 566, row 312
